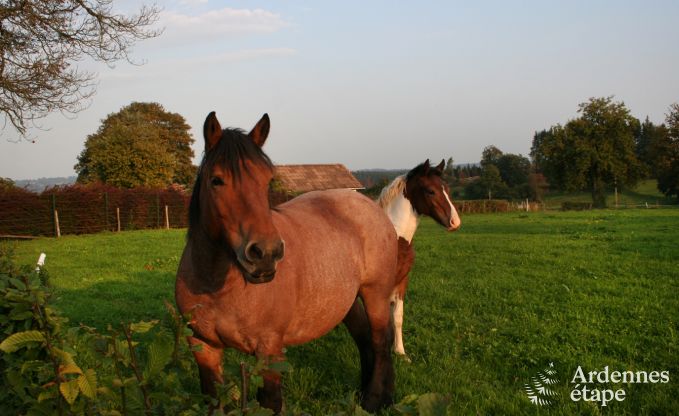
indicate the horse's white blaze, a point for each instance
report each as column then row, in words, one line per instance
column 403, row 216
column 454, row 218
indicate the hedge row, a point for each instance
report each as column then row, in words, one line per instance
column 84, row 209
column 90, row 209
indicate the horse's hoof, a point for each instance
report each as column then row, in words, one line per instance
column 405, row 357
column 373, row 402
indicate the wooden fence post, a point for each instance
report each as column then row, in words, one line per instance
column 118, row 217
column 167, row 218
column 57, row 230
column 108, row 227
column 158, row 210
column 53, row 199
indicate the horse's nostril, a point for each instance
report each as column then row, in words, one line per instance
column 253, row 252
column 279, row 251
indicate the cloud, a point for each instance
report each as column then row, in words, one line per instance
column 222, row 22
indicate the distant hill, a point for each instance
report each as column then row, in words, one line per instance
column 39, row 185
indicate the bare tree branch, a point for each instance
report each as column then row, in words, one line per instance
column 40, row 40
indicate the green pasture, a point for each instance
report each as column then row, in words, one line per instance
column 488, row 308
column 645, row 192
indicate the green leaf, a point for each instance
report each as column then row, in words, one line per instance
column 69, row 390
column 31, row 365
column 70, row 368
column 432, row 404
column 281, row 367
column 17, row 283
column 65, row 357
column 143, row 326
column 159, row 354
column 46, row 395
column 87, row 383
column 21, row 339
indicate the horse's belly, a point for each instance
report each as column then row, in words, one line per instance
column 313, row 321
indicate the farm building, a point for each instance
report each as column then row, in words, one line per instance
column 293, row 180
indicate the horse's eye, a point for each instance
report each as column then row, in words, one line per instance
column 216, row 181
column 429, row 192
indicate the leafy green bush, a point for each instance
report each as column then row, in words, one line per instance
column 138, row 368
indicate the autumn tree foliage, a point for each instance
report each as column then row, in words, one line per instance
column 140, row 145
column 665, row 151
column 41, row 42
column 591, row 152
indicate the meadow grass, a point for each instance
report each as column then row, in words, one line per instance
column 645, row 192
column 488, row 307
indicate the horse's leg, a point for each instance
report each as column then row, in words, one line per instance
column 270, row 395
column 209, row 360
column 381, row 387
column 357, row 323
column 399, row 349
column 406, row 257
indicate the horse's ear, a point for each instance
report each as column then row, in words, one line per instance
column 441, row 166
column 260, row 132
column 426, row 166
column 212, row 131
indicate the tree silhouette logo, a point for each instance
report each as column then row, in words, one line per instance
column 538, row 391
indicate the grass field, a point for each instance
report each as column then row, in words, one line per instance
column 645, row 192
column 488, row 308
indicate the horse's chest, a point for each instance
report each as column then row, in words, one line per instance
column 228, row 323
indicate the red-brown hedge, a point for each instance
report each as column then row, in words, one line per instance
column 89, row 209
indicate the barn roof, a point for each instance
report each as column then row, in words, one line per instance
column 305, row 178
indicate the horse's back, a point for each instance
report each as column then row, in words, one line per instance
column 344, row 212
column 337, row 242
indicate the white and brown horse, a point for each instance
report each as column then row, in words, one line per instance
column 259, row 279
column 419, row 192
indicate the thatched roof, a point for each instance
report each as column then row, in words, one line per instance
column 305, row 178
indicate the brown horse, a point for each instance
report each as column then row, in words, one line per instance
column 258, row 279
column 419, row 192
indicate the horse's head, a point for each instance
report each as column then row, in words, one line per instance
column 230, row 197
column 429, row 195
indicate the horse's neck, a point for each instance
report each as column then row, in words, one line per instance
column 403, row 216
column 211, row 262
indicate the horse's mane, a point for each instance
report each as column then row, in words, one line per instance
column 391, row 191
column 234, row 147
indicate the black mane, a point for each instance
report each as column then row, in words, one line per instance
column 233, row 147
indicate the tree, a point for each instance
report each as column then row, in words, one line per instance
column 142, row 144
column 6, row 184
column 665, row 151
column 649, row 142
column 490, row 155
column 514, row 169
column 449, row 171
column 592, row 151
column 489, row 186
column 41, row 40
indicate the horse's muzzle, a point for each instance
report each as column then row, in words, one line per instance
column 260, row 278
column 259, row 259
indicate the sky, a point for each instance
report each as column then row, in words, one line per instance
column 377, row 84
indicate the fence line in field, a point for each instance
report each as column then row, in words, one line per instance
column 90, row 209
column 81, row 210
